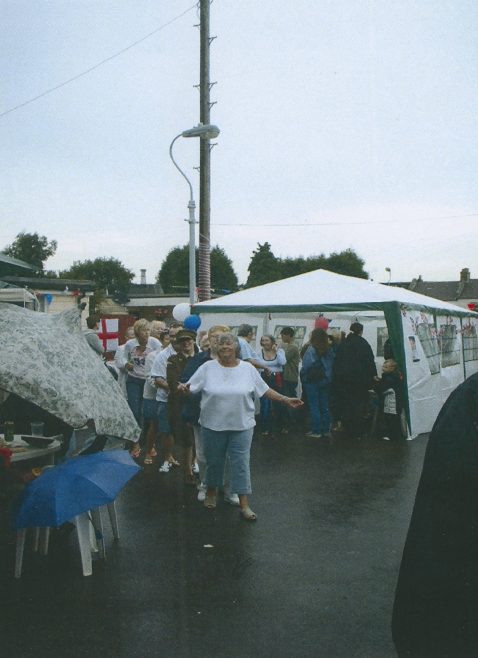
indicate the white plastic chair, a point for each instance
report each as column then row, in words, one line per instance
column 83, row 526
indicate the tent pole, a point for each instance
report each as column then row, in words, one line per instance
column 393, row 317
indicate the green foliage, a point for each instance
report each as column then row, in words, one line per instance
column 265, row 267
column 174, row 273
column 32, row 248
column 108, row 273
column 346, row 262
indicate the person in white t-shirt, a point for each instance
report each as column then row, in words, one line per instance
column 159, row 380
column 228, row 387
column 120, row 361
column 136, row 352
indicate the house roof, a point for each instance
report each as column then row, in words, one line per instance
column 449, row 291
column 145, row 290
column 44, row 283
column 8, row 260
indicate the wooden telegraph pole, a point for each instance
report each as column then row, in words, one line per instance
column 204, row 270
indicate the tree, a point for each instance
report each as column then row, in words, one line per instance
column 111, row 276
column 174, row 273
column 32, row 248
column 346, row 262
column 264, row 266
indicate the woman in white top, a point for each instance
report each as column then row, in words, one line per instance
column 274, row 358
column 228, row 387
column 136, row 369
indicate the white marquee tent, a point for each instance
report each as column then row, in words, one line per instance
column 435, row 343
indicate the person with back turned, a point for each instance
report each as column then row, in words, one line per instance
column 353, row 375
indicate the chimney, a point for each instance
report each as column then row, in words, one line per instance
column 465, row 275
column 143, row 277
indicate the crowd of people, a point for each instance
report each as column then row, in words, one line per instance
column 202, row 393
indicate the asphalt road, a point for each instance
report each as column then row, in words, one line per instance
column 314, row 576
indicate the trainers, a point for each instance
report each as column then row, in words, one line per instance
column 201, row 492
column 313, row 435
column 232, row 499
column 195, row 468
column 165, row 467
column 385, row 438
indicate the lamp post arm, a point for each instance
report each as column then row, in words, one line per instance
column 191, row 196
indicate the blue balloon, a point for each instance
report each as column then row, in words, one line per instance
column 192, row 322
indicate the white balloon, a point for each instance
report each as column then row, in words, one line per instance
column 181, row 311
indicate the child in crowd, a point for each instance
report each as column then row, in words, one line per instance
column 389, row 389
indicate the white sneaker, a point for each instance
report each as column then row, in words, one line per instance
column 165, row 467
column 195, row 468
column 201, row 492
column 231, row 498
column 385, row 438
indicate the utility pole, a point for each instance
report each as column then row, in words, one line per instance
column 204, row 270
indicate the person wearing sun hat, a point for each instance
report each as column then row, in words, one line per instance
column 183, row 433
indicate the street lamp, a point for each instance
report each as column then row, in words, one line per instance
column 208, row 131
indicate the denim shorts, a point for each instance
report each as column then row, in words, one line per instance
column 163, row 418
column 150, row 409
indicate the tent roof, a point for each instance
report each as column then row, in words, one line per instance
column 321, row 290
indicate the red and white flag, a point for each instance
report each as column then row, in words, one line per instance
column 109, row 334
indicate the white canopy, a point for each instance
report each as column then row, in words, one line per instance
column 321, row 290
column 449, row 332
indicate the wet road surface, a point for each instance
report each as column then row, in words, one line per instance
column 314, row 576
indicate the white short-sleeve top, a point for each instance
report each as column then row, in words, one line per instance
column 227, row 400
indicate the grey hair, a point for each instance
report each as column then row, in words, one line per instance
column 228, row 337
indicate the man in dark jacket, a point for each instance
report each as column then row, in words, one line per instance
column 353, row 375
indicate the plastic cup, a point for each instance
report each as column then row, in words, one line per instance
column 37, row 429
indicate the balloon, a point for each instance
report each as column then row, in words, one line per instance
column 181, row 311
column 192, row 322
column 321, row 323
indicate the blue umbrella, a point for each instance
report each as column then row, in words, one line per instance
column 74, row 487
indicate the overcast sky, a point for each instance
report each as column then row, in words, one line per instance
column 344, row 123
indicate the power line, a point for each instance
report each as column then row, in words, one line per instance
column 96, row 66
column 352, row 223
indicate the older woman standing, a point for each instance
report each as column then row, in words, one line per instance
column 228, row 386
column 135, row 366
column 274, row 358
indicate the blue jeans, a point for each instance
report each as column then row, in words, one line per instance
column 271, row 415
column 233, row 444
column 290, row 390
column 318, row 401
column 134, row 391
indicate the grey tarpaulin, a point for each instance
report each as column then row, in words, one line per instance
column 45, row 359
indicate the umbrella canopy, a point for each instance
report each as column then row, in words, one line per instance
column 74, row 487
column 46, row 360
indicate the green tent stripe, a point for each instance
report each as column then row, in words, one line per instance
column 313, row 308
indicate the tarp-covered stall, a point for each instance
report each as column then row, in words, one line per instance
column 435, row 343
column 46, row 361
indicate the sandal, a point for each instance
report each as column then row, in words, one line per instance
column 164, row 468
column 173, row 462
column 210, row 501
column 148, row 460
column 247, row 514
